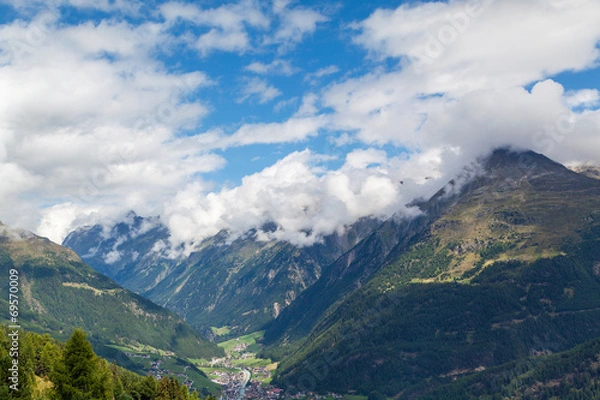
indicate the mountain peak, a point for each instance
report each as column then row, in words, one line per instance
column 506, row 166
column 520, row 162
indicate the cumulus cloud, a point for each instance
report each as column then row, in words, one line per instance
column 462, row 44
column 92, row 118
column 259, row 89
column 277, row 66
column 466, row 64
column 303, row 199
column 228, row 24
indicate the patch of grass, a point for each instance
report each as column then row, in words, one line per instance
column 42, row 387
column 252, row 362
column 222, row 331
column 251, row 340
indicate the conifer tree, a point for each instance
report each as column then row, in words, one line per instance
column 80, row 374
column 26, row 377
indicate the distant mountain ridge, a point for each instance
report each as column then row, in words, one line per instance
column 243, row 284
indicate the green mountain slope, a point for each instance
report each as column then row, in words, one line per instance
column 242, row 284
column 48, row 369
column 505, row 267
column 572, row 374
column 58, row 292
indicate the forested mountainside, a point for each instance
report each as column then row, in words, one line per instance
column 502, row 267
column 49, row 369
column 59, row 292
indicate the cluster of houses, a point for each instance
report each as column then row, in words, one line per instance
column 137, row 355
column 158, row 373
column 313, row 396
column 260, row 372
column 232, row 382
column 240, row 347
column 256, row 391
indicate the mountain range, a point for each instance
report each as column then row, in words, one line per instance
column 241, row 284
column 501, row 265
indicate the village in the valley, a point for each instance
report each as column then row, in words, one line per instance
column 242, row 374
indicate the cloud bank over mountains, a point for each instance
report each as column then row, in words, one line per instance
column 107, row 107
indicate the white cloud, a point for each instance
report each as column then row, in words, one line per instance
column 260, row 90
column 283, row 104
column 277, row 67
column 92, row 119
column 309, row 106
column 298, row 195
column 295, row 24
column 228, row 24
column 112, row 257
column 583, row 98
column 298, row 22
column 453, row 52
column 292, row 130
column 313, row 77
column 463, row 45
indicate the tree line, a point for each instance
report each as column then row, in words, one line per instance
column 50, row 370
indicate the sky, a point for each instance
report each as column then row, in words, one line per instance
column 228, row 115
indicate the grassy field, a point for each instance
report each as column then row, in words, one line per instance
column 141, row 349
column 251, row 340
column 222, row 331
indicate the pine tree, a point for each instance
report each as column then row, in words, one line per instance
column 118, row 388
column 80, row 374
column 26, row 377
column 170, row 389
column 147, row 388
column 26, row 368
column 50, row 353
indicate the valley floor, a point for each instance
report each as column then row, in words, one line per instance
column 245, row 376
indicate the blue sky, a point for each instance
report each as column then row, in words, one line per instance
column 225, row 115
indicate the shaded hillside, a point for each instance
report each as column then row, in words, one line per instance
column 572, row 374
